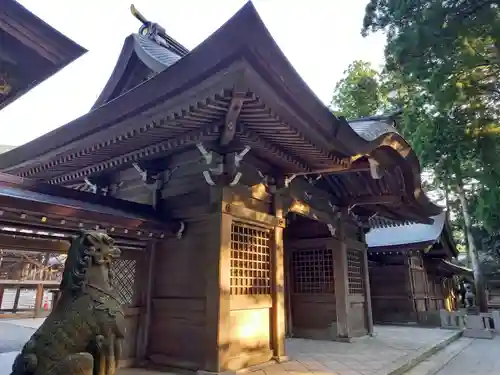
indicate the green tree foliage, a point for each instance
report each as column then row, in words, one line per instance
column 446, row 53
column 359, row 93
column 420, row 123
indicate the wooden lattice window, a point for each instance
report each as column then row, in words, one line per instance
column 123, row 279
column 250, row 260
column 312, row 271
column 355, row 271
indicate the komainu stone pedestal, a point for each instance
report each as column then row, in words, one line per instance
column 478, row 327
column 495, row 315
column 452, row 319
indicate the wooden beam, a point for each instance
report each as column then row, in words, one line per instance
column 242, row 212
column 33, row 244
column 346, row 167
column 229, row 129
column 30, row 282
column 306, row 210
column 300, row 189
column 373, row 200
column 28, row 38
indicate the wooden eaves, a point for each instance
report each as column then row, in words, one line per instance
column 31, row 51
column 34, row 209
column 190, row 102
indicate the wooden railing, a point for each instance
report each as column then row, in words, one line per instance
column 27, row 298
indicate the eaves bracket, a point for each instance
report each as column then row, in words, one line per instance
column 222, row 169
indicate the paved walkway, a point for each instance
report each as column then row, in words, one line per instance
column 15, row 332
column 391, row 348
column 465, row 356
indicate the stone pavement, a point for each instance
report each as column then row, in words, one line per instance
column 391, row 350
column 465, row 356
column 15, row 332
column 13, row 337
column 32, row 323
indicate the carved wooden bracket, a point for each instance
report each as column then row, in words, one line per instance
column 223, row 170
column 98, row 186
column 229, row 129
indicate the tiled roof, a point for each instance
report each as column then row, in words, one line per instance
column 409, row 233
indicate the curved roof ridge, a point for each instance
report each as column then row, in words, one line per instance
column 152, row 48
column 371, row 136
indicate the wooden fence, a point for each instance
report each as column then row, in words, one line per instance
column 27, row 298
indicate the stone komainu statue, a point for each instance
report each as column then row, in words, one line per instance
column 84, row 332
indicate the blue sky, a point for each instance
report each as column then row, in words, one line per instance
column 319, row 37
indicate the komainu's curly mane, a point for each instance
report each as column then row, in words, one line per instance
column 81, row 254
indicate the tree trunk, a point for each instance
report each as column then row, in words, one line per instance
column 481, row 300
column 447, row 196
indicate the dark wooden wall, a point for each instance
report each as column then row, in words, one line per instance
column 217, row 300
column 178, row 328
column 404, row 290
column 391, row 297
column 182, row 307
column 194, row 324
column 312, row 258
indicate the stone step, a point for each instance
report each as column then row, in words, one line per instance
column 402, row 366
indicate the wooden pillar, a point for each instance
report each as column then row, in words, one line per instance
column 427, row 288
column 16, row 299
column 2, row 288
column 56, row 294
column 368, row 295
column 278, row 283
column 38, row 300
column 288, row 293
column 410, row 288
column 217, row 287
column 341, row 283
column 245, row 309
column 146, row 301
column 224, row 328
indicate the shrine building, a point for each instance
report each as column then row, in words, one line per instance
column 411, row 276
column 241, row 203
